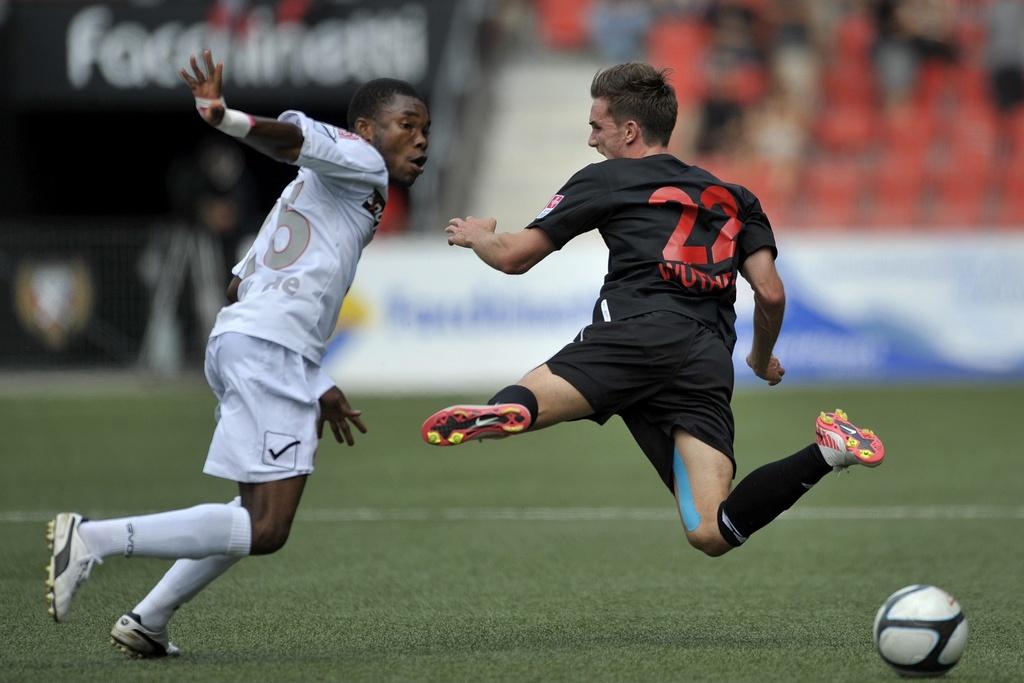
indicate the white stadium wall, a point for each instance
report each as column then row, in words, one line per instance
column 423, row 316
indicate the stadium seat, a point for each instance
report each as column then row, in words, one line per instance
column 849, row 83
column 897, row 185
column 746, row 84
column 934, row 81
column 1010, row 213
column 679, row 44
column 854, row 37
column 1013, row 126
column 563, row 23
column 959, row 214
column 834, row 189
column 847, row 128
column 901, row 213
column 972, row 88
column 908, row 130
column 973, row 129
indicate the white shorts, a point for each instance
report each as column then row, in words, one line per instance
column 267, row 411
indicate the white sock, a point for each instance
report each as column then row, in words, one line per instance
column 195, row 532
column 181, row 583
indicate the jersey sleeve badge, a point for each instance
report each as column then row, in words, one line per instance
column 550, row 207
column 375, row 206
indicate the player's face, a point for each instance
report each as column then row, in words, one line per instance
column 400, row 132
column 606, row 136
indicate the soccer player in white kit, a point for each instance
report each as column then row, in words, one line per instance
column 263, row 357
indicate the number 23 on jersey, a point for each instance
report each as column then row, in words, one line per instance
column 680, row 257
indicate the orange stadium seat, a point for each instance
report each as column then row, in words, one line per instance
column 679, row 44
column 973, row 128
column 1010, row 213
column 934, row 80
column 563, row 23
column 1011, row 180
column 971, row 82
column 834, row 189
column 849, row 83
column 896, row 190
column 846, row 128
column 854, row 36
column 1013, row 124
column 908, row 130
column 959, row 214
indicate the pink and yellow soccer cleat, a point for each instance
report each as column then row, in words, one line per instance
column 457, row 424
column 844, row 443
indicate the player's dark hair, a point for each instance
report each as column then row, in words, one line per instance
column 638, row 91
column 374, row 95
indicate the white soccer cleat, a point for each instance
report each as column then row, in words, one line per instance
column 135, row 640
column 844, row 443
column 70, row 563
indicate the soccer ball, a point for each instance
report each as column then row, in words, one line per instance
column 920, row 631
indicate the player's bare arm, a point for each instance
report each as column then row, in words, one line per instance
column 232, row 292
column 769, row 309
column 510, row 252
column 278, row 140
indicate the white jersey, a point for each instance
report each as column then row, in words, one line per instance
column 297, row 272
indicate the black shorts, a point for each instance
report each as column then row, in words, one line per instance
column 659, row 371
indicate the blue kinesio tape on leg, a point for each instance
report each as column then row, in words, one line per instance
column 691, row 518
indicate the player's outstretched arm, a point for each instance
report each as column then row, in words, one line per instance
column 510, row 252
column 769, row 309
column 278, row 140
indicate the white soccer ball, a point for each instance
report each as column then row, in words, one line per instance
column 920, row 631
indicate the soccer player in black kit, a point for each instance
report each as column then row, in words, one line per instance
column 659, row 352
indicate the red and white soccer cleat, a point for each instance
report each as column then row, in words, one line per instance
column 844, row 443
column 456, row 424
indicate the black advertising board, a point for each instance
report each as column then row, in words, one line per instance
column 102, row 55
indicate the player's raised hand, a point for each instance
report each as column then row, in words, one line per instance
column 462, row 232
column 205, row 84
column 772, row 373
column 336, row 411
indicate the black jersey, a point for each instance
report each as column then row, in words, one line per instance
column 676, row 236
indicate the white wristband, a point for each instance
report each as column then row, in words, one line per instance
column 235, row 123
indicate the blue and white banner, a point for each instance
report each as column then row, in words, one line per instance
column 425, row 317
column 916, row 307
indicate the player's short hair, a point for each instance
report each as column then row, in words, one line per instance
column 372, row 96
column 638, row 91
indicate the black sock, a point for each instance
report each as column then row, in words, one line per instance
column 767, row 491
column 516, row 393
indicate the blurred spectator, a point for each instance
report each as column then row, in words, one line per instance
column 909, row 32
column 618, row 29
column 213, row 192
column 735, row 75
column 860, row 112
column 1005, row 52
column 777, row 131
column 189, row 258
column 793, row 67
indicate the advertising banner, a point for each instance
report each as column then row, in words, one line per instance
column 914, row 307
column 423, row 316
column 72, row 294
column 121, row 54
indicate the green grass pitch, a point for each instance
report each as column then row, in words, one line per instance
column 546, row 557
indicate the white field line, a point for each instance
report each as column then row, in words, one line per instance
column 588, row 514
